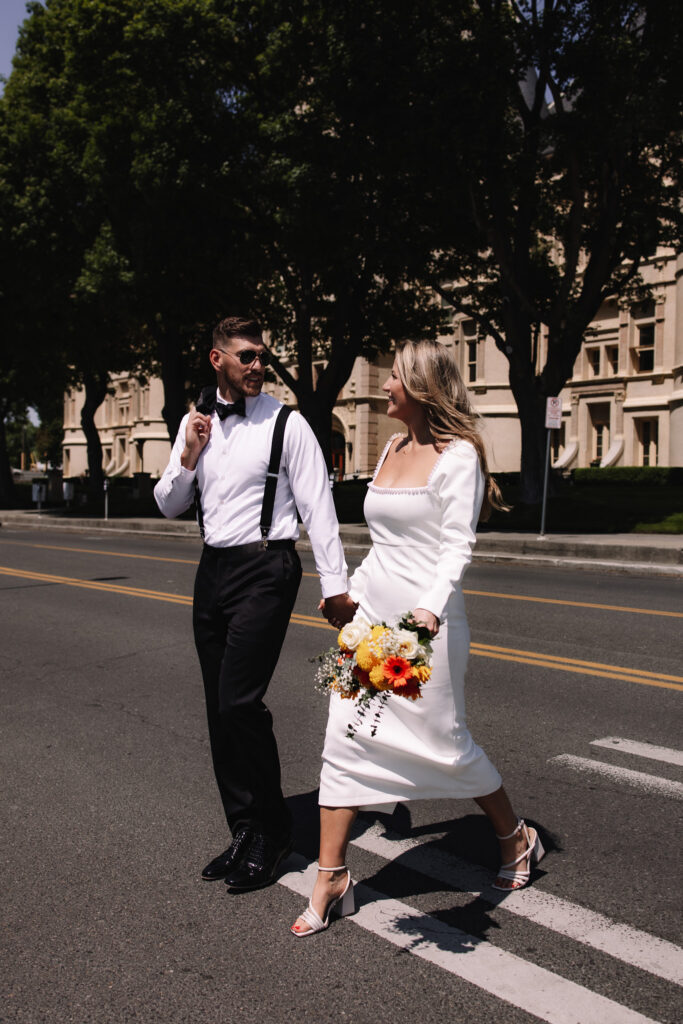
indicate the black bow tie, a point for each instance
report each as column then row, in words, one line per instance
column 238, row 408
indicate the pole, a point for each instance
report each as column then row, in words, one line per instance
column 545, row 483
column 106, row 498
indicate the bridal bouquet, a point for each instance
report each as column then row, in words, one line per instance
column 371, row 662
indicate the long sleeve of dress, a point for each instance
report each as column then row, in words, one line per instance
column 358, row 580
column 458, row 487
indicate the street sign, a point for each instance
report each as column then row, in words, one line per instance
column 553, row 413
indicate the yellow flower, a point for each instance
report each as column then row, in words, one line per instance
column 377, row 678
column 422, row 672
column 378, row 631
column 364, row 656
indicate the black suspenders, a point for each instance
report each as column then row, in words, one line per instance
column 273, row 473
column 271, row 479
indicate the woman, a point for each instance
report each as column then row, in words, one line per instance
column 422, row 509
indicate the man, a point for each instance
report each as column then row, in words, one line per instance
column 247, row 580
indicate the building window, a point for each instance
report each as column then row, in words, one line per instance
column 612, row 357
column 648, row 441
column 645, row 349
column 557, row 443
column 643, row 352
column 594, row 361
column 469, row 333
column 599, row 418
column 66, row 468
column 601, row 441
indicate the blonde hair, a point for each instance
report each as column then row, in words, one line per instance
column 430, row 375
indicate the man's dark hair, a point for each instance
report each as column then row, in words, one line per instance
column 236, row 327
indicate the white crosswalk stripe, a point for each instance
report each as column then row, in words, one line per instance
column 537, row 991
column 505, row 975
column 648, row 750
column 630, row 945
column 644, row 781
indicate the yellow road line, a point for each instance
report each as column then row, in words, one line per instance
column 42, row 577
column 574, row 604
column 626, row 675
column 577, row 661
column 314, row 575
column 99, row 551
column 540, row 660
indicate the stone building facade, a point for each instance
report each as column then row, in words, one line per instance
column 622, row 407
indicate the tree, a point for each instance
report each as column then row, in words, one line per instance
column 319, row 95
column 572, row 171
column 66, row 298
column 129, row 97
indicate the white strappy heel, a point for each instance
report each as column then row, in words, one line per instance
column 344, row 904
column 533, row 853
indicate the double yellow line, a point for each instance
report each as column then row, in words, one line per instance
column 547, row 661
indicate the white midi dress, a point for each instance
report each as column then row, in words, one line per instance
column 422, row 541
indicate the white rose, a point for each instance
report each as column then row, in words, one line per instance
column 353, row 632
column 408, row 643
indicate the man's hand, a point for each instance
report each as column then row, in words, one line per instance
column 197, row 433
column 338, row 610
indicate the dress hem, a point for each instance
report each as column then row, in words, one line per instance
column 365, row 801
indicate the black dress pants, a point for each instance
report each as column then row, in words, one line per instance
column 243, row 600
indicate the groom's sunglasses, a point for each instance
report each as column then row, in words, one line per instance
column 247, row 356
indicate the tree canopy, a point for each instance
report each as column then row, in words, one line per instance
column 329, row 169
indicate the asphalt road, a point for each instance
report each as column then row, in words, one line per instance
column 109, row 811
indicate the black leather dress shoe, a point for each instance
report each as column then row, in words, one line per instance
column 259, row 865
column 228, row 860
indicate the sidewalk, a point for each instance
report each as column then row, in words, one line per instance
column 639, row 554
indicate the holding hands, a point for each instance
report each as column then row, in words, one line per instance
column 338, row 610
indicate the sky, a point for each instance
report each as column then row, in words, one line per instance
column 12, row 13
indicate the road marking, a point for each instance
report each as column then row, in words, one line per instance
column 652, row 784
column 574, row 604
column 111, row 588
column 620, row 941
column 314, row 575
column 504, row 975
column 99, row 551
column 596, row 668
column 648, row 750
column 551, row 661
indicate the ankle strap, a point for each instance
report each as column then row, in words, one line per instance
column 342, row 868
column 520, row 826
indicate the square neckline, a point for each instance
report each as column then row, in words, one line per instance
column 422, row 488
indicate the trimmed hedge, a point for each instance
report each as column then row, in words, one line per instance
column 641, row 476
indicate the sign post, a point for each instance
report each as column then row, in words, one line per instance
column 106, row 498
column 553, row 421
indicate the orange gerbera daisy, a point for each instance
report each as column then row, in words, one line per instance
column 397, row 670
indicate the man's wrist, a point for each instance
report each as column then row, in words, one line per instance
column 189, row 459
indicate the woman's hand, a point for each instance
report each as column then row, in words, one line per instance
column 427, row 619
column 338, row 610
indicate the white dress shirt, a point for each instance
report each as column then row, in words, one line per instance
column 231, row 473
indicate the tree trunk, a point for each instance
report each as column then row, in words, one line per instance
column 7, row 492
column 318, row 413
column 95, row 393
column 173, row 376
